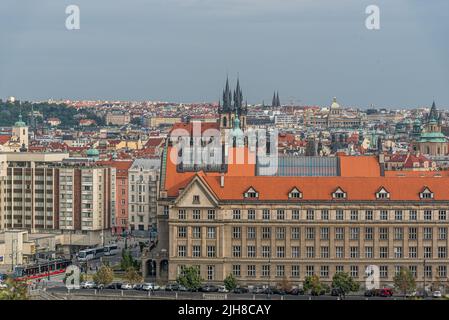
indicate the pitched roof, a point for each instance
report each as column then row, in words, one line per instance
column 359, row 166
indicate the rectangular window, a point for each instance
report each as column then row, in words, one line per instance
column 236, row 214
column 280, row 233
column 354, row 252
column 398, row 215
column 266, row 252
column 427, row 215
column 310, row 270
column 398, row 252
column 324, row 233
column 280, row 214
column 383, row 233
column 310, row 233
column 339, row 252
column 251, row 270
column 236, row 251
column 251, row 251
column 295, row 233
column 295, row 271
column 354, row 271
column 211, row 232
column 369, row 215
column 295, row 252
column 413, row 215
column 310, row 215
column 295, row 214
column 324, row 272
column 266, row 214
column 181, row 251
column 354, row 233
column 368, row 252
column 412, row 233
column 210, row 214
column 339, row 233
column 280, row 270
column 324, row 252
column 384, row 215
column 428, row 252
column 442, row 252
column 251, row 214
column 369, row 231
column 182, row 232
column 427, row 233
column 354, row 215
column 251, row 232
column 181, row 214
column 236, row 270
column 383, row 252
column 324, row 214
column 383, row 270
column 265, row 270
column 339, row 268
column 398, row 234
column 196, row 251
column 196, row 214
column 339, row 214
column 442, row 271
column 236, row 232
column 266, row 233
column 442, row 233
column 211, row 251
column 442, row 215
column 310, row 252
column 210, row 272
column 280, row 252
column 412, row 252
column 428, row 272
column 196, row 232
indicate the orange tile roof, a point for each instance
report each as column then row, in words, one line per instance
column 359, row 166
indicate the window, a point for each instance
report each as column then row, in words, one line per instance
column 383, row 270
column 442, row 233
column 339, row 268
column 211, row 251
column 210, row 272
column 251, row 251
column 182, row 232
column 295, row 214
column 442, row 271
column 354, row 215
column 428, row 272
column 266, row 252
column 383, row 233
column 324, row 214
column 310, row 270
column 339, row 214
column 295, row 252
column 382, row 194
column 251, row 193
column 310, row 233
column 196, row 251
column 295, row 271
column 442, row 215
column 236, row 232
column 295, row 194
column 354, row 233
column 265, row 270
column 339, row 194
column 251, row 214
column 384, row 215
column 354, row 271
column 324, row 252
column 280, row 233
column 251, row 270
column 397, row 252
column 442, row 252
column 427, row 215
column 251, row 233
column 295, row 233
column 310, row 252
column 196, row 199
column 211, row 214
column 354, row 252
column 280, row 270
column 398, row 215
column 368, row 252
column 426, row 194
column 339, row 252
column 428, row 252
column 181, row 214
column 196, row 232
column 211, row 232
column 236, row 251
column 413, row 270
column 280, row 214
column 369, row 233
column 266, row 214
column 196, row 214
column 369, row 215
column 412, row 252
column 280, row 252
column 310, row 215
column 324, row 271
column 181, row 251
column 413, row 215
column 339, row 233
column 412, row 233
column 427, row 233
column 236, row 270
column 166, row 210
column 236, row 214
column 324, row 233
column 398, row 234
column 383, row 252
column 266, row 233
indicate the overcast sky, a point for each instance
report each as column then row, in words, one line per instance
column 181, row 50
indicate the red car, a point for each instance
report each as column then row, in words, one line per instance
column 385, row 292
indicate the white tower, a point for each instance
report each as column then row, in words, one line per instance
column 20, row 130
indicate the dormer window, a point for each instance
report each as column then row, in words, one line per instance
column 382, row 194
column 426, row 194
column 251, row 193
column 295, row 194
column 339, row 194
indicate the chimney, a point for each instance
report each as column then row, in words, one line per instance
column 222, row 178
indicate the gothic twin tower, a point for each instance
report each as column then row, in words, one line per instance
column 232, row 107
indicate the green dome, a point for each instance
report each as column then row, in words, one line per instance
column 237, row 132
column 92, row 152
column 20, row 123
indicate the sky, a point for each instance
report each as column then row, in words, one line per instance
column 182, row 50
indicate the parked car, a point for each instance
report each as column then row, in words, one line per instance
column 172, row 287
column 182, row 288
column 99, row 286
column 372, row 293
column 240, row 290
column 296, row 291
column 114, row 285
column 336, row 292
column 138, row 286
column 87, row 285
column 258, row 290
column 147, row 286
column 209, row 288
column 437, row 294
column 222, row 289
column 386, row 292
column 127, row 286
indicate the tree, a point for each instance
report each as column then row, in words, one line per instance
column 285, row 285
column 404, row 281
column 230, row 282
column 344, row 282
column 128, row 261
column 15, row 290
column 190, row 278
column 132, row 276
column 313, row 284
column 104, row 275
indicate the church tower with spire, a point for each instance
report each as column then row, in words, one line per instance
column 232, row 106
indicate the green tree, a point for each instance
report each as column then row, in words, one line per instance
column 132, row 276
column 15, row 290
column 313, row 284
column 230, row 282
column 344, row 282
column 104, row 275
column 128, row 261
column 190, row 278
column 404, row 281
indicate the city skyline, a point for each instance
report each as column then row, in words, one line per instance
column 181, row 52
